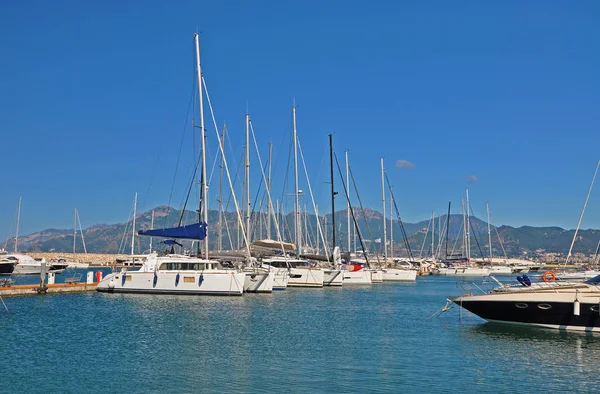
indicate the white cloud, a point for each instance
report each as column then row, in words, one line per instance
column 471, row 178
column 404, row 164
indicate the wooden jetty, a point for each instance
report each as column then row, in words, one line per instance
column 35, row 289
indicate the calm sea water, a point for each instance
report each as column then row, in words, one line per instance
column 352, row 339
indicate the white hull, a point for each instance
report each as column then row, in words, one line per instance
column 501, row 270
column 306, row 277
column 462, row 272
column 212, row 283
column 281, row 278
column 397, row 275
column 376, row 276
column 552, row 326
column 580, row 275
column 362, row 277
column 333, row 277
column 28, row 269
column 74, row 265
column 259, row 282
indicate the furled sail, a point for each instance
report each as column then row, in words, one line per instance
column 195, row 231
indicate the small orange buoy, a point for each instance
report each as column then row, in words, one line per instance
column 548, row 276
column 98, row 276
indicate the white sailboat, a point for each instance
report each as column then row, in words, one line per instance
column 391, row 274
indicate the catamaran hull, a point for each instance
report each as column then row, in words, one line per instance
column 306, row 277
column 333, row 278
column 281, row 278
column 259, row 282
column 190, row 283
column 560, row 311
column 396, row 275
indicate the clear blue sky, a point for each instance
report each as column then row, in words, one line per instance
column 95, row 97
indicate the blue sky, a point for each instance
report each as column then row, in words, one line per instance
column 95, row 98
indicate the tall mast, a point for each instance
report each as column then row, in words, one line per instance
column 247, row 177
column 433, row 235
column 487, row 208
column 204, row 186
column 464, row 232
column 74, row 228
column 582, row 212
column 18, row 222
column 269, row 192
column 220, row 240
column 384, row 218
column 152, row 228
column 468, row 227
column 391, row 226
column 133, row 225
column 447, row 229
column 332, row 192
column 298, row 234
column 348, row 210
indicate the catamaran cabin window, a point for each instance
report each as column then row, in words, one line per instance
column 278, row 264
column 184, row 266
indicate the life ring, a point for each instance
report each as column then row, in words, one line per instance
column 548, row 276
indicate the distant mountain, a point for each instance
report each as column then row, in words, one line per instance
column 116, row 238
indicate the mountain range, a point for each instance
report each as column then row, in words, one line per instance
column 521, row 241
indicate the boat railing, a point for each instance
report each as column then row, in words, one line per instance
column 469, row 287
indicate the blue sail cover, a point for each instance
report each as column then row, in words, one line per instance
column 191, row 231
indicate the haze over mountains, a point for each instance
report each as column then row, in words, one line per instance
column 116, row 238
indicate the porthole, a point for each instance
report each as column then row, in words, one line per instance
column 521, row 305
column 594, row 308
column 544, row 306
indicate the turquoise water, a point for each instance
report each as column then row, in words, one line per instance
column 352, row 339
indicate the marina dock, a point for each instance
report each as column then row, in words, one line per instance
column 35, row 289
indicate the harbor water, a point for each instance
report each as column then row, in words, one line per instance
column 375, row 338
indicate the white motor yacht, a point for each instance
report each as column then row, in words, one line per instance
column 27, row 265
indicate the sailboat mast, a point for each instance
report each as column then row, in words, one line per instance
column 133, row 225
column 447, row 229
column 204, row 186
column 348, row 210
column 384, row 213
column 247, row 177
column 391, row 227
column 220, row 240
column 464, row 229
column 74, row 228
column 468, row 227
column 269, row 192
column 332, row 192
column 18, row 222
column 487, row 208
column 582, row 212
column 433, row 235
column 152, row 228
column 296, row 193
